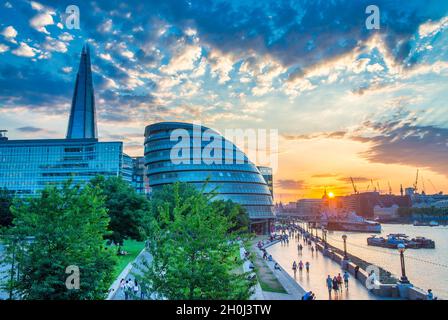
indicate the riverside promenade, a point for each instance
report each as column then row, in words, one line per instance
column 320, row 268
column 292, row 290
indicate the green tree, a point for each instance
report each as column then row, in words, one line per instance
column 237, row 214
column 5, row 211
column 165, row 196
column 61, row 228
column 128, row 210
column 194, row 256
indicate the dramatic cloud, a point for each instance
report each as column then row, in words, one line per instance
column 409, row 144
column 290, row 184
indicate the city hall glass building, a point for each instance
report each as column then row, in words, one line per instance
column 234, row 178
column 27, row 166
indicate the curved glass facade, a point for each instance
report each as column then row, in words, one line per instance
column 176, row 151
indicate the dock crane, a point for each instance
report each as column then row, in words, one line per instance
column 415, row 183
column 354, row 186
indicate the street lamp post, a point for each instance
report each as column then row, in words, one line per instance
column 344, row 237
column 402, row 248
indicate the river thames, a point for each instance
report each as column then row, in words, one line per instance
column 425, row 268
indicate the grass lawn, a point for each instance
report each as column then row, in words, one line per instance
column 267, row 279
column 133, row 248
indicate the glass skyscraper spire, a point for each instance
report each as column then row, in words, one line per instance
column 82, row 122
column 28, row 166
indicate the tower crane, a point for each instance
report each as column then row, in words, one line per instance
column 354, row 186
column 415, row 183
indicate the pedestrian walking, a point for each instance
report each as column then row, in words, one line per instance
column 122, row 285
column 136, row 288
column 335, row 285
column 300, row 265
column 329, row 284
column 307, row 266
column 294, row 267
column 339, row 278
column 346, row 276
column 126, row 290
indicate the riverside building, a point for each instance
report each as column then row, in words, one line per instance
column 217, row 163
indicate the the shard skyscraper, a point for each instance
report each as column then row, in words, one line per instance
column 28, row 166
column 82, row 122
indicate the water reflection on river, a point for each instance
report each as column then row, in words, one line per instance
column 425, row 268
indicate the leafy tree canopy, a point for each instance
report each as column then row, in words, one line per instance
column 194, row 256
column 128, row 210
column 5, row 211
column 61, row 228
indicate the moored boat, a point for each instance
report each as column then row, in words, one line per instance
column 394, row 239
column 354, row 223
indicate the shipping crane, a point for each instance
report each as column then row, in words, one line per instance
column 354, row 186
column 415, row 183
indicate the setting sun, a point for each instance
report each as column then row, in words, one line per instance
column 331, row 194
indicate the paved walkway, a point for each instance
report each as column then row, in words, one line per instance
column 128, row 274
column 295, row 291
column 320, row 267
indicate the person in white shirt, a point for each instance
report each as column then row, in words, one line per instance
column 136, row 288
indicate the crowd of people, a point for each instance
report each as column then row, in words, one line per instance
column 337, row 283
column 131, row 289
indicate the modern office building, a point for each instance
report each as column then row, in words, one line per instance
column 139, row 178
column 266, row 172
column 194, row 154
column 27, row 166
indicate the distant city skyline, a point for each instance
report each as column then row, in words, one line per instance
column 347, row 101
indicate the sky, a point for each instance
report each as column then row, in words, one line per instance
column 347, row 101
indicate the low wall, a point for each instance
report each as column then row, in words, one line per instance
column 416, row 294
